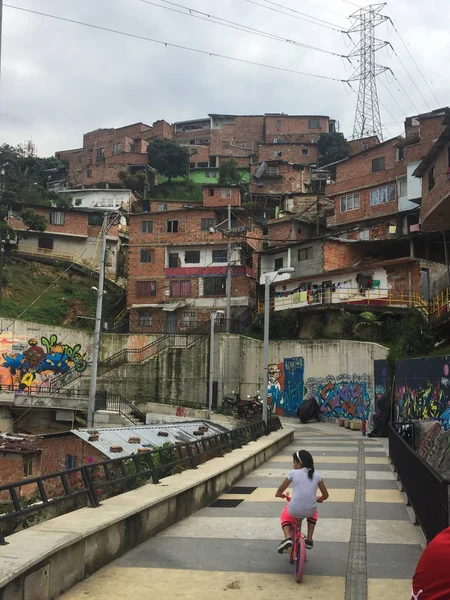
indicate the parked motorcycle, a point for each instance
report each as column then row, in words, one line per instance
column 240, row 408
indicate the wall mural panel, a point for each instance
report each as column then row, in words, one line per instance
column 338, row 396
column 422, row 390
column 33, row 364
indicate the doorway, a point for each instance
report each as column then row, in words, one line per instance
column 172, row 322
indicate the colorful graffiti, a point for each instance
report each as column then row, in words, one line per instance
column 342, row 396
column 422, row 390
column 285, row 388
column 32, row 366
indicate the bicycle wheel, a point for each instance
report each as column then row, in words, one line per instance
column 300, row 558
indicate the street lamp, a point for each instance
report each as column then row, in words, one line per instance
column 267, row 282
column 214, row 315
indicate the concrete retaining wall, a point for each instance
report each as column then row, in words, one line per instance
column 44, row 561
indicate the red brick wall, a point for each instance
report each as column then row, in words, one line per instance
column 55, row 449
column 289, row 152
column 11, row 470
column 290, row 180
column 248, row 129
column 201, row 154
column 404, row 277
column 291, row 125
column 430, row 130
column 217, row 200
column 430, row 198
column 75, row 222
column 337, row 255
column 281, row 232
column 357, row 146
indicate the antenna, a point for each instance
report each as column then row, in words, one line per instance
column 367, row 118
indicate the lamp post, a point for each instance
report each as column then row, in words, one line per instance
column 268, row 280
column 214, row 314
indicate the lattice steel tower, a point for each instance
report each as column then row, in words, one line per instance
column 367, row 118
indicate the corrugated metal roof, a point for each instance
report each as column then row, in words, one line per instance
column 119, row 436
column 20, row 444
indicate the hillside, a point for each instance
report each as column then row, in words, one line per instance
column 71, row 297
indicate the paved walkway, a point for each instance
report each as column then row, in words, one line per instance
column 365, row 544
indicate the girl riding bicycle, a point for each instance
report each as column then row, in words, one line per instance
column 303, row 504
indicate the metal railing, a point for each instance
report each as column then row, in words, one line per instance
column 119, row 404
column 68, row 257
column 325, row 296
column 440, row 304
column 426, row 490
column 96, row 481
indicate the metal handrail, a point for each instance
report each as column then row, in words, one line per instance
column 91, row 480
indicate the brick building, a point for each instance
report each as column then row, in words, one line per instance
column 107, row 152
column 434, row 170
column 72, row 234
column 20, row 457
column 178, row 257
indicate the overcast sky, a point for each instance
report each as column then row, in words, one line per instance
column 61, row 79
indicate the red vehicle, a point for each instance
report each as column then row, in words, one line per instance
column 298, row 552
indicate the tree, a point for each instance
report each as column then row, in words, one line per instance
column 168, row 158
column 332, row 147
column 229, row 174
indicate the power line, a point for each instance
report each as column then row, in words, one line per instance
column 196, row 14
column 411, row 78
column 167, row 44
column 332, row 12
column 393, row 98
column 318, row 22
column 414, row 60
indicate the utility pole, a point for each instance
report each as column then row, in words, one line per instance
column 229, row 267
column 1, row 23
column 318, row 209
column 98, row 326
column 2, row 258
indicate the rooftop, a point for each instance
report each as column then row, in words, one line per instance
column 20, row 444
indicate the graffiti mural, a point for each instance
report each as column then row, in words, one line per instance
column 285, row 388
column 35, row 364
column 422, row 390
column 342, row 396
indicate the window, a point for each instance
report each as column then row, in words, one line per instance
column 210, row 194
column 189, row 318
column 277, row 140
column 192, row 256
column 174, row 261
column 278, row 263
column 27, row 467
column 208, row 223
column 402, row 187
column 79, row 159
column 172, row 226
column 399, row 154
column 382, row 195
column 161, row 207
column 147, row 256
column 219, row 256
column 378, row 164
column 278, row 124
column 431, row 180
column 202, row 165
column 363, row 234
column 192, row 165
column 95, row 220
column 100, row 154
column 277, row 153
column 194, row 151
column 116, row 148
column 89, row 173
column 239, row 144
column 133, row 148
column 272, row 171
column 147, row 226
column 146, row 207
column 349, row 202
column 225, row 145
column 211, row 174
column 71, row 461
column 305, row 152
column 78, row 201
column 45, row 244
column 313, row 124
column 365, row 146
column 56, row 218
column 181, row 289
column 214, row 286
column 145, row 289
column 225, row 193
column 145, row 318
column 305, row 253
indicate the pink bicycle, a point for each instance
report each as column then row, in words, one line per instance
column 298, row 551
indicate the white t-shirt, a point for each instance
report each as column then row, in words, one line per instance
column 304, row 490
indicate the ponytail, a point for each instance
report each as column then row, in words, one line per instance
column 307, row 461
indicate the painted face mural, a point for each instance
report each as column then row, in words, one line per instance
column 31, row 366
column 285, row 388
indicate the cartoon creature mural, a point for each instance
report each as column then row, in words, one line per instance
column 341, row 396
column 285, row 387
column 35, row 366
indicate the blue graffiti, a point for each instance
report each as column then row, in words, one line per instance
column 445, row 420
column 345, row 396
column 290, row 397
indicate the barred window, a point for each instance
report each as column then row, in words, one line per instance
column 192, row 256
column 219, row 256
column 145, row 289
column 145, row 318
column 56, row 218
column 381, row 195
column 214, row 286
column 182, row 289
column 146, row 256
column 147, row 226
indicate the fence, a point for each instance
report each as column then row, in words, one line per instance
column 95, row 481
column 426, row 490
